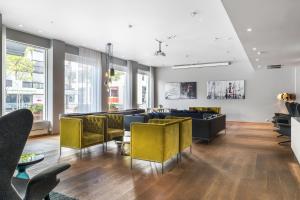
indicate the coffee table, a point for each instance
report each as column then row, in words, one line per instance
column 26, row 161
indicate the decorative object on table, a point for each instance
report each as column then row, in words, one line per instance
column 125, row 145
column 14, row 130
column 286, row 96
column 26, row 161
column 226, row 89
column 183, row 90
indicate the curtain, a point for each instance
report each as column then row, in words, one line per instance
column 83, row 82
column 152, row 87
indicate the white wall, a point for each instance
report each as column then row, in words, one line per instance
column 261, row 89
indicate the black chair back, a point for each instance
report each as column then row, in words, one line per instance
column 14, row 130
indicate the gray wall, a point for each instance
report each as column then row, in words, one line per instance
column 261, row 88
column 56, row 75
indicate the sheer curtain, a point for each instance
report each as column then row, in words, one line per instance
column 83, row 81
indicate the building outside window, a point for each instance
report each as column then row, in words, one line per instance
column 21, row 76
column 143, row 89
column 118, row 91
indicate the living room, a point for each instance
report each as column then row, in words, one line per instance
column 150, row 99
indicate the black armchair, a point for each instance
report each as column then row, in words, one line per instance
column 14, row 130
column 285, row 130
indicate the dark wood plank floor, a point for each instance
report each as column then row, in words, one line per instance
column 246, row 163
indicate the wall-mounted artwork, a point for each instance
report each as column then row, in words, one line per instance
column 183, row 90
column 226, row 89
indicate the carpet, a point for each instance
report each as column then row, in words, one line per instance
column 58, row 196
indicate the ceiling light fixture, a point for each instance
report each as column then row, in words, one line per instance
column 256, row 59
column 258, row 53
column 254, row 48
column 249, row 29
column 20, row 25
column 159, row 52
column 202, row 65
column 258, row 66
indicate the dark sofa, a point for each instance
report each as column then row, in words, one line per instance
column 205, row 125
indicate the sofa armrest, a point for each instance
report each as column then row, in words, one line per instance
column 71, row 130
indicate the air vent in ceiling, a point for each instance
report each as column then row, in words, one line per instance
column 274, row 66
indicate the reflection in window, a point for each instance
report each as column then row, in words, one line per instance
column 25, row 66
column 117, row 91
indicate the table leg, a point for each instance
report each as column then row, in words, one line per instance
column 22, row 174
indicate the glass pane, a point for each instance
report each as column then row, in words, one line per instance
column 143, row 82
column 25, row 79
column 117, row 91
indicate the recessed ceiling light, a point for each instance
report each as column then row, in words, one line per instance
column 20, row 25
column 258, row 66
column 254, row 49
column 130, row 25
column 258, row 53
column 256, row 59
column 40, row 31
column 249, row 29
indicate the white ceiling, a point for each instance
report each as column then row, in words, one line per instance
column 93, row 23
column 275, row 29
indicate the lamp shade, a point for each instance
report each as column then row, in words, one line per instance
column 286, row 97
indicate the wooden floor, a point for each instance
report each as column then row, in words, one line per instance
column 246, row 163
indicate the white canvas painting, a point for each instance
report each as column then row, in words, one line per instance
column 172, row 91
column 226, row 89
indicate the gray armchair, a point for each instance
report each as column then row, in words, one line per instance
column 14, row 130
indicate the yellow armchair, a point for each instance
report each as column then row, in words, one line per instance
column 185, row 130
column 82, row 132
column 154, row 142
column 114, row 129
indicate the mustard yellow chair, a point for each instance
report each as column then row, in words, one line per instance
column 114, row 127
column 154, row 142
column 217, row 110
column 82, row 132
column 185, row 130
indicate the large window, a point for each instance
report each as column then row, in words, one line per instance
column 24, row 86
column 143, row 89
column 82, row 85
column 118, row 92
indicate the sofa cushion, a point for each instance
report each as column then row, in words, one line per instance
column 113, row 133
column 90, row 138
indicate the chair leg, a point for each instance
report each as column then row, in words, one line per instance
column 284, row 142
column 47, row 197
column 59, row 151
column 191, row 149
column 180, row 157
column 103, row 147
column 162, row 168
column 80, row 153
column 130, row 162
column 177, row 159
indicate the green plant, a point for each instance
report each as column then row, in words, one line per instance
column 36, row 108
column 20, row 66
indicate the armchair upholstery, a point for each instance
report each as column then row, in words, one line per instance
column 81, row 132
column 114, row 127
column 185, row 129
column 154, row 142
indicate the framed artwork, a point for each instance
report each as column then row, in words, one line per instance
column 226, row 89
column 183, row 90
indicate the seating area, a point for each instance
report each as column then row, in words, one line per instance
column 150, row 100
